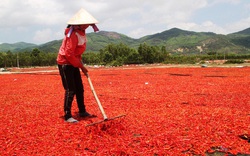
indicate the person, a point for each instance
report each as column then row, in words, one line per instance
column 69, row 60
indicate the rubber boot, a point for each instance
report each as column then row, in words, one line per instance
column 68, row 99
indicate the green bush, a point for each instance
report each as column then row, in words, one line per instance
column 234, row 61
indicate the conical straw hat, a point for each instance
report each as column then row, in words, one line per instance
column 82, row 17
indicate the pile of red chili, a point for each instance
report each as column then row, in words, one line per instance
column 169, row 111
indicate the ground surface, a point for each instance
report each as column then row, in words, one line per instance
column 169, row 111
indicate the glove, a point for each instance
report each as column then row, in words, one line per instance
column 84, row 70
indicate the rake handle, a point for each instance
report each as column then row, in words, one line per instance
column 96, row 98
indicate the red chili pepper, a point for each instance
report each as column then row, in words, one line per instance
column 169, row 111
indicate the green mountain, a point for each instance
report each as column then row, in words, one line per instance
column 96, row 41
column 243, row 32
column 241, row 38
column 175, row 40
column 16, row 46
column 180, row 41
column 174, row 34
column 51, row 46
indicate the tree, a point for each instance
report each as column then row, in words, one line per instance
column 108, row 57
column 149, row 54
column 10, row 59
column 35, row 56
column 91, row 58
column 115, row 54
column 25, row 59
column 133, row 58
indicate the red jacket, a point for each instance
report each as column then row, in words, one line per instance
column 72, row 48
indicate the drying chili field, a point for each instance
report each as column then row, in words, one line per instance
column 169, row 111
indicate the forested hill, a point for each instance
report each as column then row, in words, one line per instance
column 4, row 47
column 241, row 38
column 175, row 40
column 243, row 32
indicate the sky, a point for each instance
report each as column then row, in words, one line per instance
column 41, row 21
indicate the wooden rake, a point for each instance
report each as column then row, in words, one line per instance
column 105, row 118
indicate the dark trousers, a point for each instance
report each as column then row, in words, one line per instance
column 72, row 83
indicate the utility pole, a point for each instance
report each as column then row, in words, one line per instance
column 17, row 60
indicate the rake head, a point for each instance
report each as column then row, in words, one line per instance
column 105, row 120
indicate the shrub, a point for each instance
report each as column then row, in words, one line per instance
column 234, row 61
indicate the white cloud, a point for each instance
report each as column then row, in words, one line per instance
column 139, row 18
column 247, row 6
column 137, row 32
column 45, row 35
column 238, row 26
column 28, row 12
column 45, row 20
column 218, row 2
